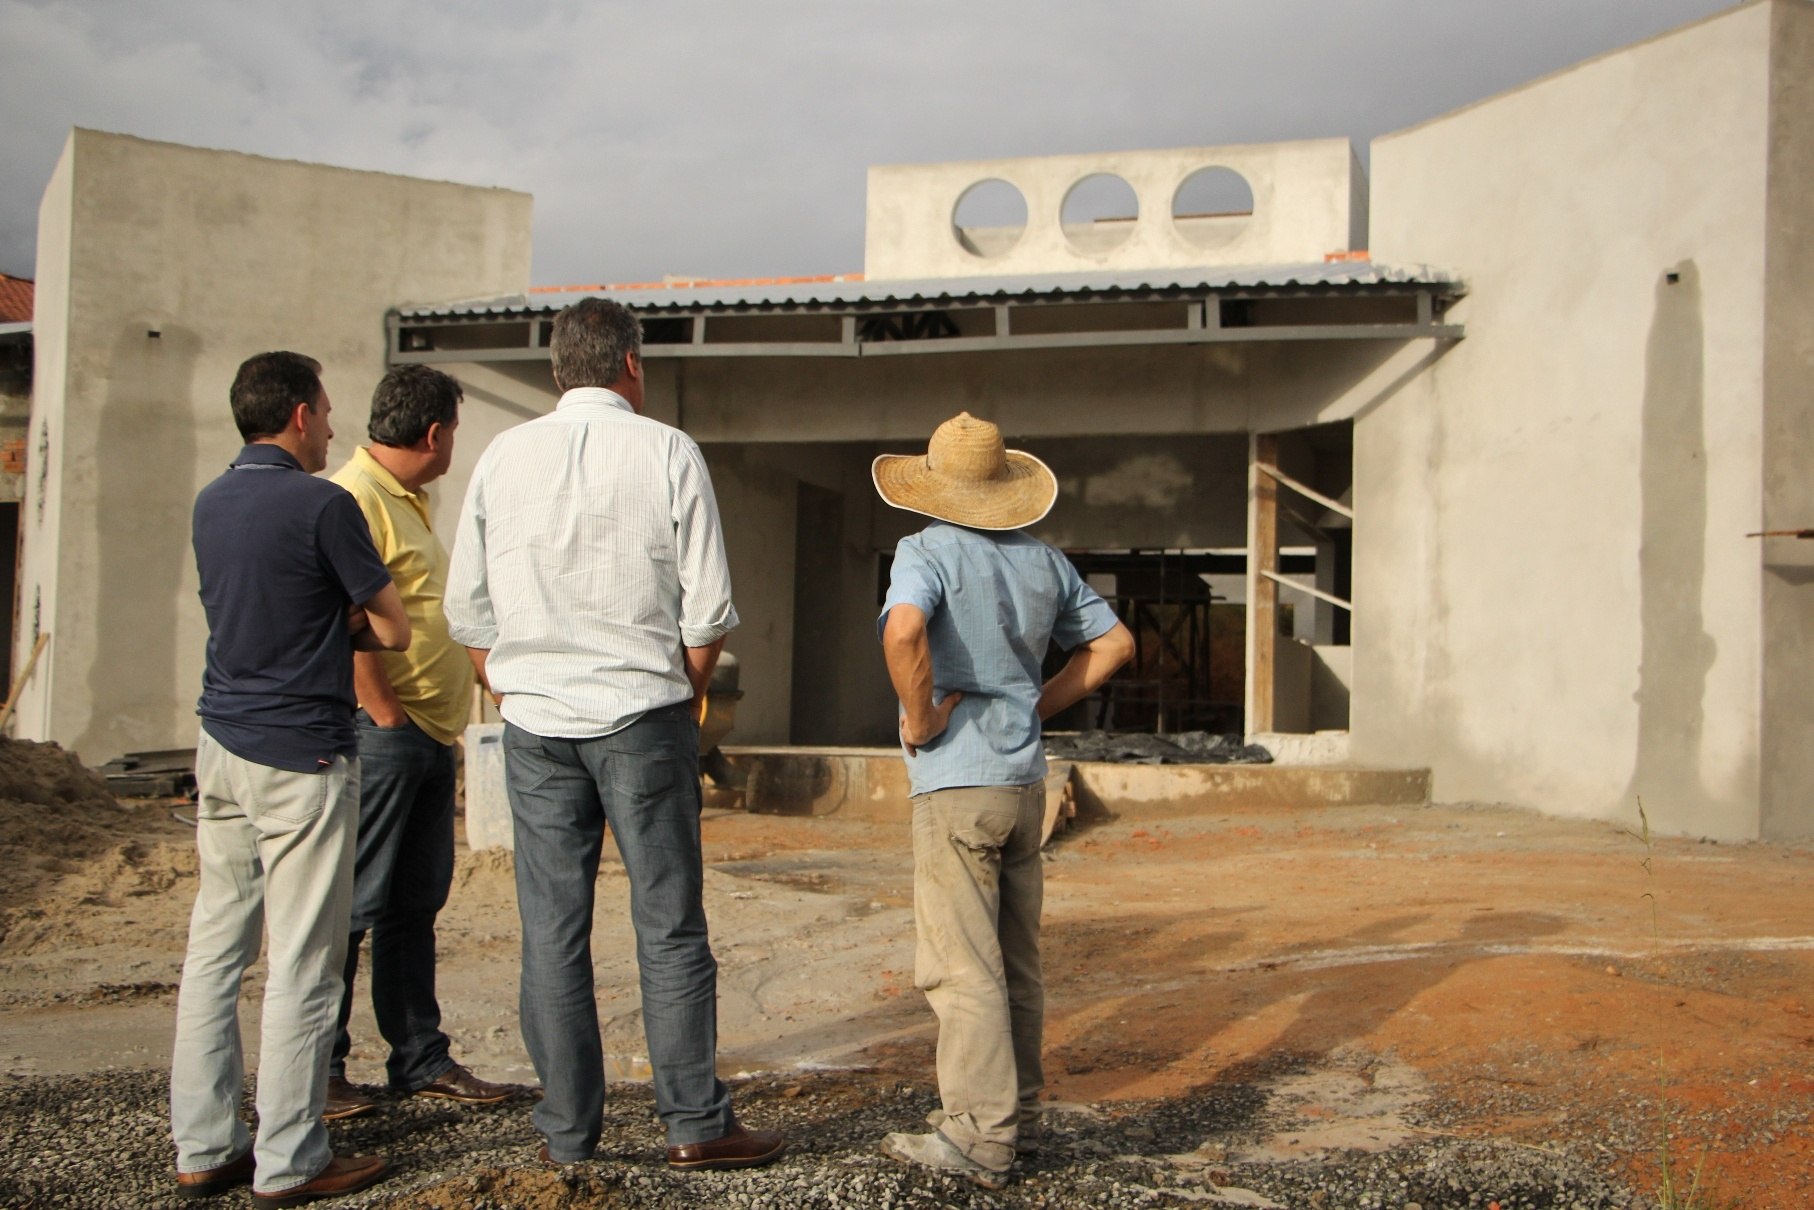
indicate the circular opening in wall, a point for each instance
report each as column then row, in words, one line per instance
column 1099, row 213
column 1212, row 207
column 989, row 218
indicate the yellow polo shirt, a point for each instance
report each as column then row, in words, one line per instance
column 434, row 678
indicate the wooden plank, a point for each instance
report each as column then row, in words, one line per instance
column 1318, row 593
column 12, row 699
column 1262, row 591
column 1303, row 490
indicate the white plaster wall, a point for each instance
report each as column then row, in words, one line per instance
column 1555, row 601
column 224, row 255
column 1787, row 793
column 40, row 520
column 1304, row 206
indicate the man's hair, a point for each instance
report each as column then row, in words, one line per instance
column 408, row 401
column 267, row 389
column 591, row 339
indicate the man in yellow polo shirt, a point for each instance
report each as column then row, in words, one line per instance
column 412, row 707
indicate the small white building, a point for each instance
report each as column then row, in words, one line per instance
column 1494, row 424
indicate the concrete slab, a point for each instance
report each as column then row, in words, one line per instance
column 487, row 805
column 871, row 783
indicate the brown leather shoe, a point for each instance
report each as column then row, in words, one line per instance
column 343, row 1175
column 739, row 1149
column 549, row 1160
column 345, row 1100
column 210, row 1181
column 458, row 1084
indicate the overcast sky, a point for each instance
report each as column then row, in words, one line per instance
column 724, row 138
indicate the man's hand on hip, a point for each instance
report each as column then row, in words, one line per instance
column 915, row 736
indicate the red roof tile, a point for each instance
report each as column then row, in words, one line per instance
column 15, row 300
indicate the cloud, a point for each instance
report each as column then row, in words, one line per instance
column 702, row 137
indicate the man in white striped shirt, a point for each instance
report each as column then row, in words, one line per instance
column 589, row 582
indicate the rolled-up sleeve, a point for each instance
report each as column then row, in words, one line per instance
column 706, row 611
column 471, row 619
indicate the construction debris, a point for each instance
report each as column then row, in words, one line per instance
column 163, row 774
column 1061, row 800
column 1178, row 748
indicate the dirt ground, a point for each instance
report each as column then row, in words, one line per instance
column 1393, row 973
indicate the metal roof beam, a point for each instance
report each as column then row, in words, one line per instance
column 922, row 326
column 971, row 344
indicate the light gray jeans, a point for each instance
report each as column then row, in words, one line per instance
column 978, row 885
column 276, row 853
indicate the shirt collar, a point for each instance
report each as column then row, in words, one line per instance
column 377, row 473
column 594, row 395
column 266, row 453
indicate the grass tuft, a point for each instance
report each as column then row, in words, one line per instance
column 1676, row 1190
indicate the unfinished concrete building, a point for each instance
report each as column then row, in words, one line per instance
column 1454, row 466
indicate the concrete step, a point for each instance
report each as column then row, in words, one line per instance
column 871, row 783
column 1158, row 791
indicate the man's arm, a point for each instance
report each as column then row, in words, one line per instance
column 1091, row 663
column 377, row 696
column 699, row 663
column 706, row 611
column 386, row 625
column 909, row 656
column 466, row 602
column 478, row 656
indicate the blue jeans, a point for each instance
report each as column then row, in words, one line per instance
column 643, row 782
column 401, row 875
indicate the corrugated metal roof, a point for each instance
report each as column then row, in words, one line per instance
column 827, row 294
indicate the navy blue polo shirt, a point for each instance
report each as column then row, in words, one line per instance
column 282, row 555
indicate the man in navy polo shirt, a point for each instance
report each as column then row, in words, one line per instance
column 291, row 585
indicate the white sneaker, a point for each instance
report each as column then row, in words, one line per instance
column 936, row 1151
column 1030, row 1133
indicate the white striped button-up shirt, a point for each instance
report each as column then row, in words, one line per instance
column 588, row 553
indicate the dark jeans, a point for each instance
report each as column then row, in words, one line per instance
column 643, row 782
column 401, row 876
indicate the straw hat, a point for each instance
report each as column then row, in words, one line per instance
column 966, row 477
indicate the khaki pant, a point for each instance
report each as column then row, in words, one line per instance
column 978, row 884
column 276, row 852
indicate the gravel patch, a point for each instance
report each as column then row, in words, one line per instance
column 102, row 1140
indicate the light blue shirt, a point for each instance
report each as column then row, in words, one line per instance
column 994, row 601
column 589, row 553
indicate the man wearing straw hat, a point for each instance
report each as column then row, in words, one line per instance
column 972, row 605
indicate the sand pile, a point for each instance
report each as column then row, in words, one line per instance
column 45, row 775
column 67, row 845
